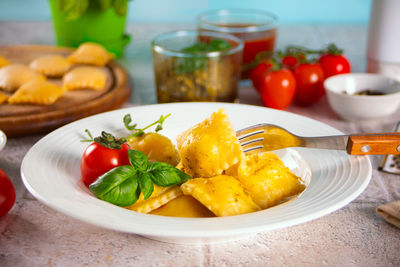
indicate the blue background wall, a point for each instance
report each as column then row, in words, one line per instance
column 147, row 11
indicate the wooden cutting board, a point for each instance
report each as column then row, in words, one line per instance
column 26, row 119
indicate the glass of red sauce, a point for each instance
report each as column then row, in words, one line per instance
column 256, row 28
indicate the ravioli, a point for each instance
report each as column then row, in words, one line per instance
column 51, row 65
column 15, row 75
column 3, row 98
column 37, row 92
column 85, row 78
column 159, row 197
column 183, row 206
column 210, row 147
column 267, row 180
column 91, row 54
column 223, row 195
column 157, row 147
column 3, row 62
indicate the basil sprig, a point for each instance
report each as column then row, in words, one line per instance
column 122, row 185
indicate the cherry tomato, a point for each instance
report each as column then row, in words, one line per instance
column 334, row 64
column 290, row 62
column 98, row 159
column 7, row 193
column 278, row 88
column 257, row 74
column 309, row 81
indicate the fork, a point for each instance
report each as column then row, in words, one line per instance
column 268, row 137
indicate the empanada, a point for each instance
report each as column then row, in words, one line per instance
column 267, row 180
column 210, row 147
column 51, row 65
column 3, row 62
column 37, row 92
column 223, row 195
column 90, row 53
column 15, row 75
column 160, row 196
column 85, row 78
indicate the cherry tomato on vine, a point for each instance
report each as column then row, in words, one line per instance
column 98, row 159
column 334, row 64
column 309, row 81
column 278, row 88
column 257, row 74
column 290, row 62
column 7, row 193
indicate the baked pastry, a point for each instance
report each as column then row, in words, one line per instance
column 36, row 92
column 3, row 62
column 51, row 65
column 3, row 98
column 90, row 53
column 85, row 78
column 15, row 75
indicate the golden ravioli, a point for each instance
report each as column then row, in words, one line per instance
column 37, row 92
column 159, row 197
column 3, row 62
column 267, row 179
column 210, row 147
column 15, row 75
column 157, row 147
column 223, row 195
column 85, row 78
column 90, row 53
column 183, row 206
column 51, row 65
column 3, row 98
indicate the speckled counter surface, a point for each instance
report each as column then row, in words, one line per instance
column 34, row 235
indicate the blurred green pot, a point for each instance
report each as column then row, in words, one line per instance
column 100, row 21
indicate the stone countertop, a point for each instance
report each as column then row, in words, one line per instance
column 33, row 234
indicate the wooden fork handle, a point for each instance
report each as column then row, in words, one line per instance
column 374, row 144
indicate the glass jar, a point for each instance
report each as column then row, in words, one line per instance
column 184, row 74
column 256, row 28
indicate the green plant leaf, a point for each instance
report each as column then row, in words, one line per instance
column 138, row 160
column 127, row 120
column 164, row 174
column 119, row 186
column 77, row 10
column 120, row 7
column 65, row 5
column 145, row 184
column 103, row 4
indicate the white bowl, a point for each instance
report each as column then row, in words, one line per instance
column 3, row 139
column 340, row 91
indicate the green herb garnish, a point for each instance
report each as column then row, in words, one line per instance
column 189, row 65
column 122, row 185
column 138, row 132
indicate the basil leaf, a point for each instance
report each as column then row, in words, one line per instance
column 163, row 174
column 104, row 4
column 138, row 160
column 145, row 184
column 118, row 186
column 218, row 44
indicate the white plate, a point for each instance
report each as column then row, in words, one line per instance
column 3, row 139
column 50, row 171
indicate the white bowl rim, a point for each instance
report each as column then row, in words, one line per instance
column 359, row 75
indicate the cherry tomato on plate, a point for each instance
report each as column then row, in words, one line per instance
column 7, row 194
column 98, row 159
column 278, row 88
column 309, row 81
column 334, row 64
